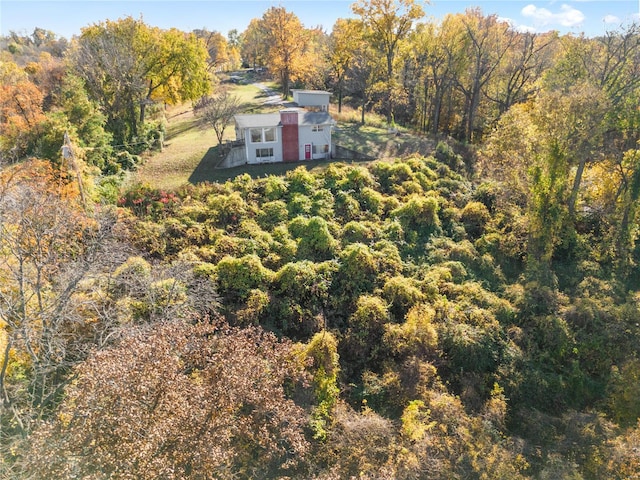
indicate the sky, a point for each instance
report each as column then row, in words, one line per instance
column 66, row 18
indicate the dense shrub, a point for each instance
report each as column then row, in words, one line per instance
column 421, row 284
column 237, row 277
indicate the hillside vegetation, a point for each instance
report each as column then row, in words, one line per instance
column 464, row 306
column 413, row 337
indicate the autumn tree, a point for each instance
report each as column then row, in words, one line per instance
column 388, row 24
column 362, row 75
column 314, row 67
column 25, row 48
column 174, row 72
column 178, row 400
column 287, row 43
column 253, row 44
column 21, row 109
column 49, row 247
column 127, row 65
column 217, row 46
column 605, row 72
column 438, row 57
column 233, row 49
column 343, row 42
column 524, row 64
column 488, row 41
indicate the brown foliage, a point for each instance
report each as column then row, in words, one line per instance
column 178, row 400
column 49, row 246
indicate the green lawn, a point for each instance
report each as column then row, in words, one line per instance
column 379, row 142
column 190, row 151
column 187, row 145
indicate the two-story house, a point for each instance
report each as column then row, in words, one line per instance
column 290, row 135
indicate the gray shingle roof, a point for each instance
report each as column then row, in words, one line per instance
column 315, row 118
column 258, row 120
column 273, row 119
column 313, row 92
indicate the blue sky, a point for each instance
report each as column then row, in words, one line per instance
column 67, row 17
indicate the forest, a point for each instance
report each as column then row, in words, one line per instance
column 470, row 311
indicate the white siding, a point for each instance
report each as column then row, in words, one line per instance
column 256, row 150
column 312, row 99
column 306, row 136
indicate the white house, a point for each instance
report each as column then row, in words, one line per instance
column 290, row 135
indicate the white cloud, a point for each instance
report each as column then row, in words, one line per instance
column 566, row 17
column 611, row 19
column 516, row 26
column 525, row 29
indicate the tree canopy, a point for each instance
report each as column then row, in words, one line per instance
column 127, row 65
column 468, row 309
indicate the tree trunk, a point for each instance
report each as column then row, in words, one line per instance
column 624, row 240
column 285, row 84
column 143, row 104
column 143, row 107
column 573, row 198
column 437, row 110
column 474, row 100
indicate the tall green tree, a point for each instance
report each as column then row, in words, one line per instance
column 628, row 211
column 547, row 213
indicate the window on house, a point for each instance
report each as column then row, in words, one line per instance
column 269, row 134
column 256, row 135
column 264, row 152
column 320, row 149
column 317, row 128
column 263, row 135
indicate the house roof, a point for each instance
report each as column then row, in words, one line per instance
column 315, row 118
column 314, row 92
column 258, row 120
column 273, row 119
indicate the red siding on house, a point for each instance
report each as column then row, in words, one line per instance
column 289, row 122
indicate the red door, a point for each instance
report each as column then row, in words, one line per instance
column 307, row 151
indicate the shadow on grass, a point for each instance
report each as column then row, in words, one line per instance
column 206, row 169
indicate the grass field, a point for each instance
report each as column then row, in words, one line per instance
column 190, row 153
